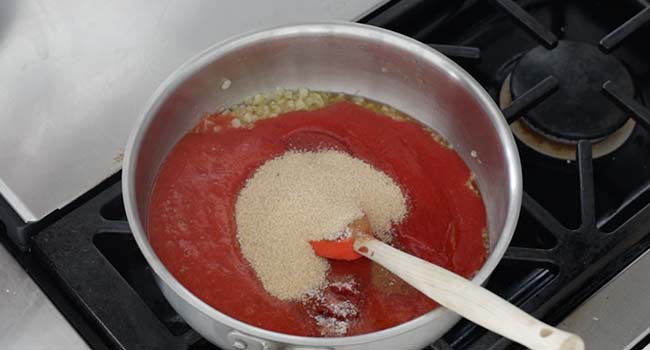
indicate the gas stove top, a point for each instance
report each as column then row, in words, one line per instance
column 573, row 80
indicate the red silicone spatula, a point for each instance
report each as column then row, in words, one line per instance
column 450, row 290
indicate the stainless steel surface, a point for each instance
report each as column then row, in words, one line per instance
column 617, row 317
column 75, row 76
column 28, row 320
column 348, row 58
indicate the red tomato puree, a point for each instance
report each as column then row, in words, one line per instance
column 192, row 223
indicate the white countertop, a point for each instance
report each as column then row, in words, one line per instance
column 28, row 320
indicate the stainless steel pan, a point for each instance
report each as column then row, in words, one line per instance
column 341, row 57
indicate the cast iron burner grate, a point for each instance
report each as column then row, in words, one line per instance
column 564, row 248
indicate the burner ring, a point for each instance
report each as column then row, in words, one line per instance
column 578, row 110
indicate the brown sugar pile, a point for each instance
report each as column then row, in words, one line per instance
column 304, row 196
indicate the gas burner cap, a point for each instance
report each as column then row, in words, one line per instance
column 560, row 149
column 577, row 111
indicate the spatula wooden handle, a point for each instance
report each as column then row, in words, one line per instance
column 473, row 302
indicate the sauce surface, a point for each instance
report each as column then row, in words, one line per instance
column 192, row 225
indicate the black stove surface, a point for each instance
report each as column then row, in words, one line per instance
column 582, row 221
